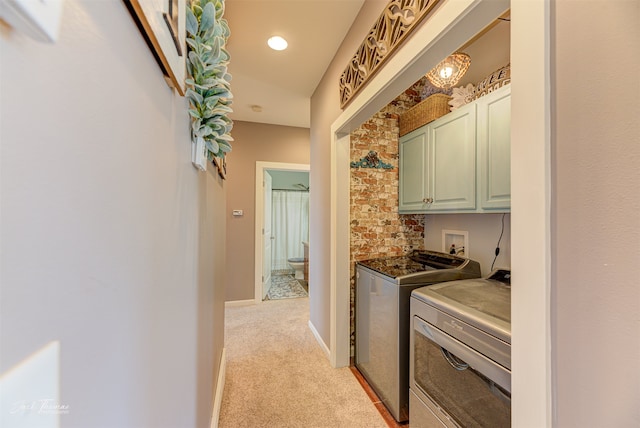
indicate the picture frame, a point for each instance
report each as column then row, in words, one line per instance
column 162, row 23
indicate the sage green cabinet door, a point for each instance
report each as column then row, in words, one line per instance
column 451, row 171
column 412, row 179
column 494, row 145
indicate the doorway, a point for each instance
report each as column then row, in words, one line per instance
column 278, row 229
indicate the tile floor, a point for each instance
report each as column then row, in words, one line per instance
column 285, row 286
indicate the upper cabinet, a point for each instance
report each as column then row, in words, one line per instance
column 413, row 186
column 451, row 169
column 494, row 148
column 460, row 162
column 438, row 164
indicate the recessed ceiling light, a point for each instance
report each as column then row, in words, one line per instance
column 277, row 43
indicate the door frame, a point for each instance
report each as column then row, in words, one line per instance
column 261, row 167
column 266, row 273
column 452, row 25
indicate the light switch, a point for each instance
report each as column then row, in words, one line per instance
column 238, row 213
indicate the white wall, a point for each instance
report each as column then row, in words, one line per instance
column 101, row 213
column 484, row 232
column 596, row 221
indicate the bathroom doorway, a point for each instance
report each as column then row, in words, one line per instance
column 282, row 230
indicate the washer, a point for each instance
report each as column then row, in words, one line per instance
column 460, row 361
column 383, row 292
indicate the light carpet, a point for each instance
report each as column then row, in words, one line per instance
column 278, row 376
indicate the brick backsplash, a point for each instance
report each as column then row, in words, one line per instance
column 377, row 230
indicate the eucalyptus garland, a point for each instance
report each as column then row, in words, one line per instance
column 208, row 88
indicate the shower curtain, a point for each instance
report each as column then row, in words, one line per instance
column 290, row 226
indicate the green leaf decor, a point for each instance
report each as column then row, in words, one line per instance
column 209, row 91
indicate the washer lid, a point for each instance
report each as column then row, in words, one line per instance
column 396, row 267
column 482, row 302
column 424, row 267
column 492, row 298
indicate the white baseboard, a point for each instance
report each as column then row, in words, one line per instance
column 323, row 345
column 239, row 303
column 217, row 398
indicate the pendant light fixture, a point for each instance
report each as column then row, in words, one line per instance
column 450, row 70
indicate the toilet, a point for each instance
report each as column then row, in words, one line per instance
column 297, row 264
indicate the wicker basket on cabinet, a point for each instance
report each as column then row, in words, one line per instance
column 426, row 111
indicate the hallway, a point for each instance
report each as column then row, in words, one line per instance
column 277, row 375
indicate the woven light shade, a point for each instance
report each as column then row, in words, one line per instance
column 450, row 70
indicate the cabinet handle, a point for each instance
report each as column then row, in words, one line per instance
column 427, row 200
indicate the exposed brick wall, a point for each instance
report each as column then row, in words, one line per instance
column 377, row 230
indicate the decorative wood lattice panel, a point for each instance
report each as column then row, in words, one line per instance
column 397, row 20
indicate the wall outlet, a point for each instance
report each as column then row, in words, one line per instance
column 455, row 242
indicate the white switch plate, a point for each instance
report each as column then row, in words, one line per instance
column 238, row 213
column 459, row 238
column 39, row 19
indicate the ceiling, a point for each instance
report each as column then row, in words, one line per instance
column 282, row 82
